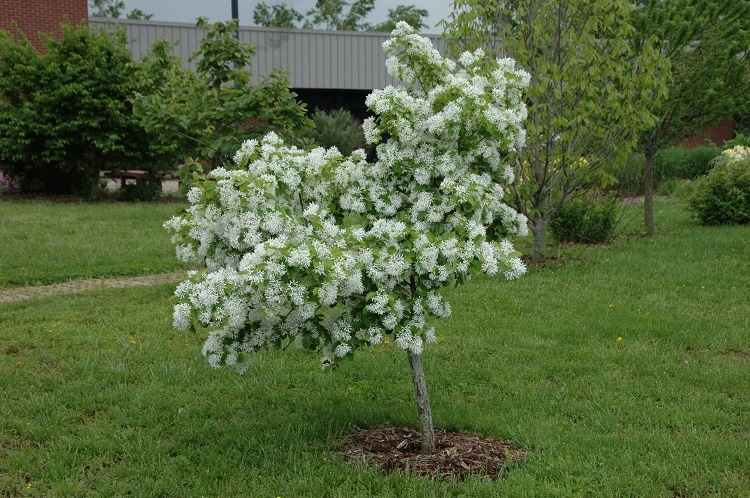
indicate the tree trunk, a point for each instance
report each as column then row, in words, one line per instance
column 426, row 429
column 94, row 179
column 539, row 229
column 648, row 191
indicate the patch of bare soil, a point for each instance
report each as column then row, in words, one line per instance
column 742, row 355
column 13, row 444
column 20, row 293
column 459, row 455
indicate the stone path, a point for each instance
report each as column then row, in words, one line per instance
column 15, row 294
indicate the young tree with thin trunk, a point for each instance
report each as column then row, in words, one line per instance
column 707, row 45
column 208, row 111
column 332, row 253
column 586, row 97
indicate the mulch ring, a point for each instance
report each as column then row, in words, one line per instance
column 459, row 455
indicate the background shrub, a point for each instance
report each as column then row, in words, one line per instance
column 678, row 162
column 196, row 113
column 670, row 166
column 629, row 175
column 589, row 221
column 335, row 128
column 64, row 113
column 139, row 192
column 675, row 187
column 723, row 196
column 739, row 139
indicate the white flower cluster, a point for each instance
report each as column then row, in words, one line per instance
column 333, row 253
column 736, row 153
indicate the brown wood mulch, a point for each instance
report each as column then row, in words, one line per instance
column 458, row 455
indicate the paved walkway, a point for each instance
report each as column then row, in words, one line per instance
column 15, row 294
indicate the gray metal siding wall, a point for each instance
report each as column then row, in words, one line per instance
column 342, row 60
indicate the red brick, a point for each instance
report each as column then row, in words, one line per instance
column 718, row 134
column 41, row 16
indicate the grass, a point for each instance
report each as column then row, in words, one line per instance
column 45, row 242
column 102, row 398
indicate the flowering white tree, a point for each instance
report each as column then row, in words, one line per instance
column 333, row 253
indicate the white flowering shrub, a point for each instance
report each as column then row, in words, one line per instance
column 722, row 197
column 333, row 253
column 735, row 154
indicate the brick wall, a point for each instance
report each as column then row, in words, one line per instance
column 35, row 16
column 718, row 134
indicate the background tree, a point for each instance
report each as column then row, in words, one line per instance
column 276, row 15
column 707, row 45
column 329, row 14
column 212, row 110
column 410, row 14
column 158, row 71
column 114, row 8
column 586, row 97
column 65, row 115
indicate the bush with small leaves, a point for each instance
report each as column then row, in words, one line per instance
column 65, row 114
column 337, row 128
column 587, row 221
column 722, row 197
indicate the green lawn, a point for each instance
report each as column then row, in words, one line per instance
column 100, row 397
column 44, row 243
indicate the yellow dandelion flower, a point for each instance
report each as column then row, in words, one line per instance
column 619, row 339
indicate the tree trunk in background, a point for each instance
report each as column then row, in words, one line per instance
column 538, row 227
column 648, row 191
column 94, row 178
column 426, row 429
